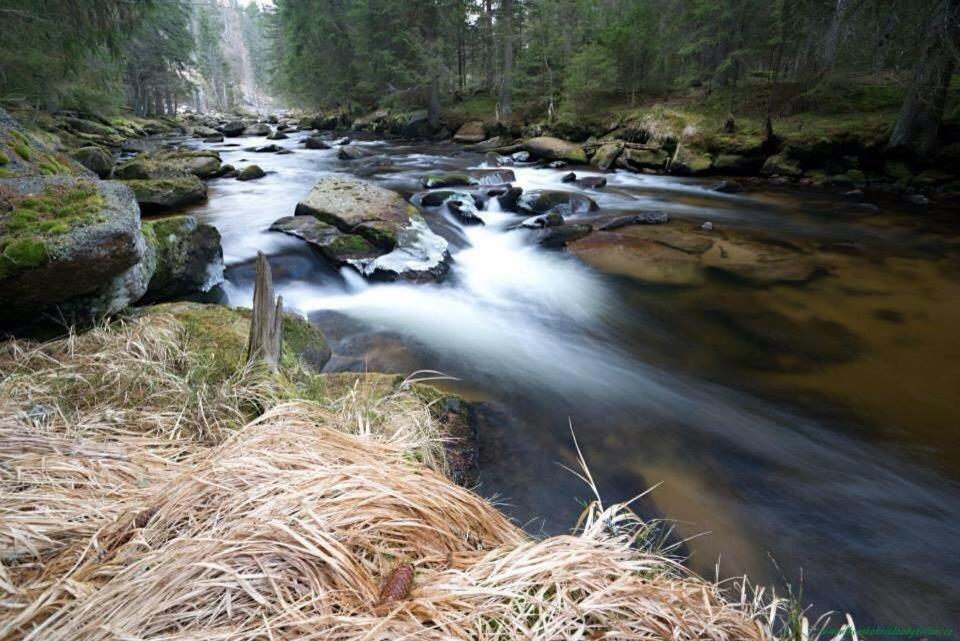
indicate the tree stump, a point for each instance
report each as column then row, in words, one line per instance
column 266, row 322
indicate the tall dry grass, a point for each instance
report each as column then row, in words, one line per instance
column 139, row 501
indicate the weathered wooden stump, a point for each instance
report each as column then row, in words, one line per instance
column 266, row 322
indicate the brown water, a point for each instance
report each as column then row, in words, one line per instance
column 811, row 424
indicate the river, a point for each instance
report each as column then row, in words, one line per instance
column 801, row 433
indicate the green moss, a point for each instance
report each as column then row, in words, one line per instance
column 5, row 173
column 22, row 150
column 20, row 254
column 50, row 165
column 4, row 160
column 348, row 244
column 55, row 211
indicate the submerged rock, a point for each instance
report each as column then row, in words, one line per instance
column 187, row 255
column 71, row 248
column 592, row 182
column 642, row 259
column 267, row 149
column 761, row 263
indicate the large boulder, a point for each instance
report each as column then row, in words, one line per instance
column 200, row 131
column 382, row 217
column 69, row 248
column 163, row 194
column 471, row 132
column 549, row 148
column 96, row 159
column 187, row 255
column 313, row 142
column 233, row 129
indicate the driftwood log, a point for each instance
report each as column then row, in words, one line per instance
column 266, row 322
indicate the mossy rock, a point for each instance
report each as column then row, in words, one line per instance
column 69, row 247
column 690, row 162
column 251, row 172
column 736, row 164
column 187, row 254
column 167, row 193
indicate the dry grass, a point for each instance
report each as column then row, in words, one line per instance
column 140, row 503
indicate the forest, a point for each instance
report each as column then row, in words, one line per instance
column 533, row 60
column 491, row 320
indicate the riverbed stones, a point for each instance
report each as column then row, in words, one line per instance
column 187, row 254
column 510, row 199
column 553, row 219
column 549, row 148
column 352, row 152
column 69, row 248
column 337, row 247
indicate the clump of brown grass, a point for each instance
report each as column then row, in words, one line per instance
column 328, row 520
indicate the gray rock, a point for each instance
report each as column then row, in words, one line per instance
column 315, row 143
column 162, row 194
column 233, row 129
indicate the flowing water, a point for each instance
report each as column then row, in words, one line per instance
column 799, row 433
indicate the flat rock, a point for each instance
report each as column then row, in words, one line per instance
column 560, row 236
column 336, row 246
column 638, row 258
column 162, row 194
column 653, row 217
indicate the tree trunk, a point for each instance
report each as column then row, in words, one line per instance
column 918, row 124
column 506, row 81
column 266, row 321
